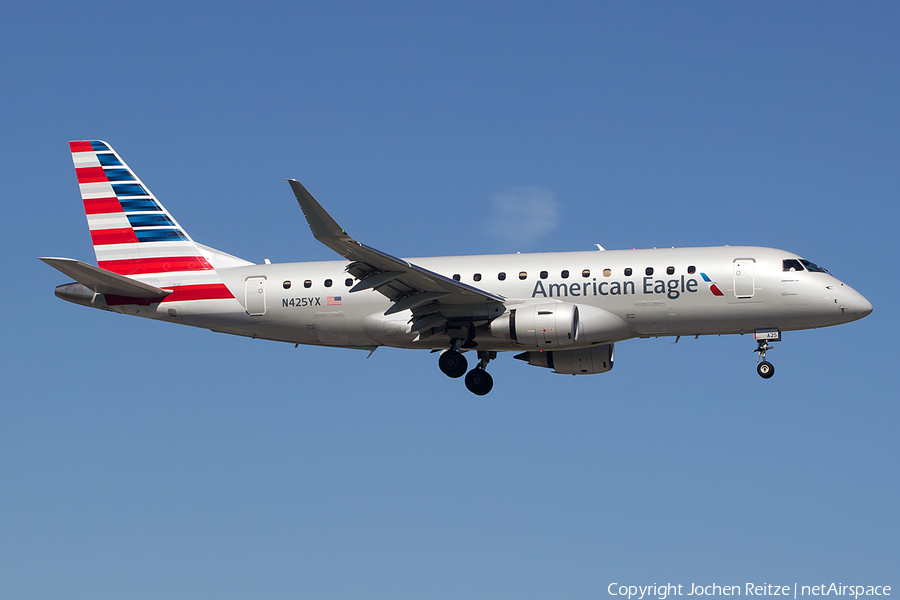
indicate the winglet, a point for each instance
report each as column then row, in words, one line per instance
column 402, row 282
column 323, row 226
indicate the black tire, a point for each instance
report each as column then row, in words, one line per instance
column 453, row 363
column 479, row 381
column 765, row 369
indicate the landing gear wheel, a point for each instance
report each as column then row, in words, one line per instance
column 453, row 363
column 479, row 381
column 765, row 369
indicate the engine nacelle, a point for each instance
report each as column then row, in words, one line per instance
column 558, row 324
column 584, row 361
column 540, row 325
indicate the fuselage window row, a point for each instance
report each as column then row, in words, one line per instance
column 789, row 265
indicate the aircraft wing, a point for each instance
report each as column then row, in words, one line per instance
column 102, row 281
column 407, row 285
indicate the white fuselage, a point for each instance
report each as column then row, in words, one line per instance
column 309, row 303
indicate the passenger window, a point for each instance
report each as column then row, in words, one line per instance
column 670, row 270
column 307, row 283
column 628, row 272
column 348, row 282
column 286, row 285
column 476, row 277
column 544, row 274
column 456, row 277
column 564, row 274
column 791, row 264
column 327, row 283
column 607, row 272
column 586, row 273
column 648, row 271
column 501, row 276
column 523, row 275
column 692, row 269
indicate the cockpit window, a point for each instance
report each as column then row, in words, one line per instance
column 791, row 264
column 813, row 267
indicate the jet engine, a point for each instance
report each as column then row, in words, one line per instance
column 558, row 324
column 541, row 325
column 584, row 361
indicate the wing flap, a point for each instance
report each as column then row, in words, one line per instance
column 374, row 281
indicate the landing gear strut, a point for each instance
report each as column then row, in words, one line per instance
column 479, row 381
column 763, row 367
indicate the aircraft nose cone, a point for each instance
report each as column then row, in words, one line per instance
column 865, row 307
column 859, row 306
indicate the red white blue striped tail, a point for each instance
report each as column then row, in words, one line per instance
column 133, row 234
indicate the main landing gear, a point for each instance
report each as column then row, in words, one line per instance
column 479, row 381
column 453, row 364
column 763, row 367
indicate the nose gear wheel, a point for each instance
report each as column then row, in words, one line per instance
column 765, row 369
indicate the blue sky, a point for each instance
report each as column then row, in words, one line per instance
column 143, row 460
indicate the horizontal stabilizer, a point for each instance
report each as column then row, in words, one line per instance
column 103, row 281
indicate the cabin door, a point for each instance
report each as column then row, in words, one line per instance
column 255, row 292
column 744, row 277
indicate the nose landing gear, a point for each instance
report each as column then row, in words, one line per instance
column 763, row 367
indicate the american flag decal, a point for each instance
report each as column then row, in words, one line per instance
column 333, row 301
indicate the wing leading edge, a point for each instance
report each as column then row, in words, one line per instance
column 433, row 298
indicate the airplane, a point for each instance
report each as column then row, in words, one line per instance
column 563, row 311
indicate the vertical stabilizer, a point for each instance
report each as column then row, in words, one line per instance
column 132, row 232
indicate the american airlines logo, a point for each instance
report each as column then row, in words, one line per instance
column 712, row 285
